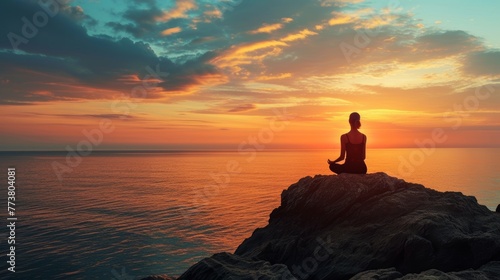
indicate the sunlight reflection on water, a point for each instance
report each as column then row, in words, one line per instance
column 139, row 212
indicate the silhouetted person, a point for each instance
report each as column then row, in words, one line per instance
column 498, row 208
column 354, row 144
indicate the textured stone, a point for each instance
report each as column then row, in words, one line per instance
column 229, row 266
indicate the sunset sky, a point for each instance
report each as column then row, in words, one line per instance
column 203, row 74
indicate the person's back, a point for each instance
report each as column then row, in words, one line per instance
column 355, row 147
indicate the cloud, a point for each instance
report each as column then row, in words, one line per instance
column 139, row 22
column 340, row 18
column 267, row 28
column 444, row 43
column 123, row 117
column 481, row 63
column 245, row 54
column 274, row 77
column 342, row 3
column 66, row 63
column 298, row 36
column 288, row 47
column 201, row 40
column 171, row 31
column 301, row 12
column 215, row 13
column 242, row 108
column 149, row 21
column 179, row 11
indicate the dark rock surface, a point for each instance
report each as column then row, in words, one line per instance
column 229, row 266
column 367, row 227
column 488, row 271
column 158, row 277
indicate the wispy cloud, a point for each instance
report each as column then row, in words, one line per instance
column 182, row 7
column 171, row 31
column 242, row 108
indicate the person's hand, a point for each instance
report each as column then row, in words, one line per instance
column 329, row 161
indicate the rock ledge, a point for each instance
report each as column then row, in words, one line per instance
column 365, row 227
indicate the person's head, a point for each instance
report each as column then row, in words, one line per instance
column 355, row 120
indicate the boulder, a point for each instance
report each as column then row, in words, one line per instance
column 333, row 227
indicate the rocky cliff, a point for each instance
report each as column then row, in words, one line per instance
column 365, row 227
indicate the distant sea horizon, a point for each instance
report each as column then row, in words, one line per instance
column 142, row 212
column 236, row 149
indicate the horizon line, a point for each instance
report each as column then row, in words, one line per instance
column 227, row 150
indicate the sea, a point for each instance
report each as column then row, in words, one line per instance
column 126, row 215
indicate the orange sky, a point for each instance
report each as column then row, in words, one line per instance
column 198, row 77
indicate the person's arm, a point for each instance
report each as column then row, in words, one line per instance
column 364, row 147
column 342, row 151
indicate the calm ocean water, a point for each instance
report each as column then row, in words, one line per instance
column 127, row 215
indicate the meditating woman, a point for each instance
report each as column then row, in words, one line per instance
column 354, row 144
